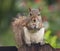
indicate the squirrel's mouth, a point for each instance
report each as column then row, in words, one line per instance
column 33, row 29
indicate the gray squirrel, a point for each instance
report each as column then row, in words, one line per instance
column 29, row 29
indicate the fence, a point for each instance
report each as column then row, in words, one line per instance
column 45, row 47
column 38, row 47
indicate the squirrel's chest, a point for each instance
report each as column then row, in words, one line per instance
column 33, row 36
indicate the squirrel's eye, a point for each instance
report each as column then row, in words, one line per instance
column 30, row 14
column 38, row 14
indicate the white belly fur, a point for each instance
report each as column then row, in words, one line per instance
column 33, row 37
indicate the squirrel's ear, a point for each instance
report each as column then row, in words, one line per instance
column 29, row 9
column 39, row 9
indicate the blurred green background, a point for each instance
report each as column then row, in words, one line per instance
column 49, row 8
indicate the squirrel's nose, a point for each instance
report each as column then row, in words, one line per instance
column 34, row 20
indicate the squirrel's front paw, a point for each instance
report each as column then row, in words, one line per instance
column 42, row 42
column 28, row 44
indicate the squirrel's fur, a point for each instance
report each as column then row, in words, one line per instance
column 22, row 27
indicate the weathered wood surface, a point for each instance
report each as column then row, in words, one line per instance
column 46, row 47
column 37, row 47
column 58, row 49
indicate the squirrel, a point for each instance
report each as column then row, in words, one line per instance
column 29, row 29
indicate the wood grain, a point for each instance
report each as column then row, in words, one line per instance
column 37, row 47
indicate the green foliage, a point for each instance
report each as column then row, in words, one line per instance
column 50, row 39
column 7, row 39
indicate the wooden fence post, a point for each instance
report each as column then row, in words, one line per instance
column 37, row 47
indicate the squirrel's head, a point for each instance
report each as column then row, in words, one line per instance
column 34, row 12
column 35, row 23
